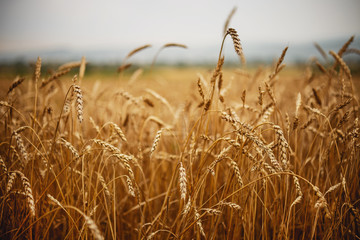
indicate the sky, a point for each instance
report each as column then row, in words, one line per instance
column 77, row 24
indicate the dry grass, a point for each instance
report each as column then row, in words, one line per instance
column 266, row 154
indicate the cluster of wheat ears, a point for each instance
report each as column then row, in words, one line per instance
column 224, row 165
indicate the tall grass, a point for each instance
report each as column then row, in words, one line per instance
column 243, row 155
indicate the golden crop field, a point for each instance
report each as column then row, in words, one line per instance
column 182, row 153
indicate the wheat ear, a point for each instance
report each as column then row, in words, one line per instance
column 15, row 84
column 182, row 181
column 237, row 45
column 79, row 102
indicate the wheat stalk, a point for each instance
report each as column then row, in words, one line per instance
column 231, row 14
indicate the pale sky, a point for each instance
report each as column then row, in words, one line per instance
column 47, row 24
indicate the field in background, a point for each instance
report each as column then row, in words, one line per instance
column 215, row 152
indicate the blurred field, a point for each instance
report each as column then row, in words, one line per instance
column 215, row 152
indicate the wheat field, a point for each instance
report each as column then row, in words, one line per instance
column 226, row 153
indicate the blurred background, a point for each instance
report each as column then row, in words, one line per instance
column 105, row 31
